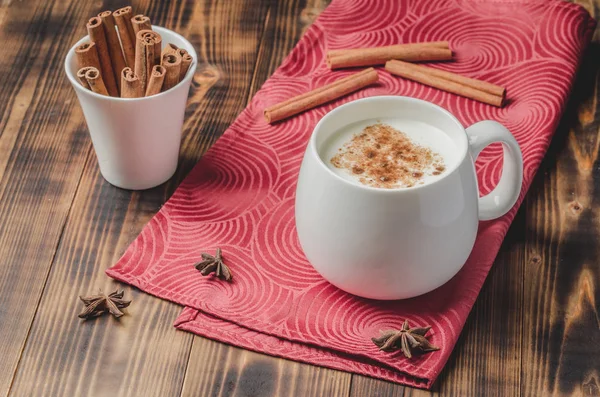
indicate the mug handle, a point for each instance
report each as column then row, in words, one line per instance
column 500, row 200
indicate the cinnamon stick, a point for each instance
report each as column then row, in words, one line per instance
column 87, row 55
column 457, row 78
column 319, row 90
column 320, row 95
column 81, row 76
column 408, row 71
column 170, row 48
column 144, row 56
column 114, row 46
column 434, row 44
column 157, row 45
column 96, row 32
column 94, row 79
column 140, row 22
column 186, row 61
column 157, row 77
column 172, row 65
column 380, row 55
column 123, row 20
column 131, row 85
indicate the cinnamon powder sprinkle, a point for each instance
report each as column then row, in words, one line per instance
column 383, row 157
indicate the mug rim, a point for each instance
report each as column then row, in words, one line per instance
column 460, row 160
column 159, row 29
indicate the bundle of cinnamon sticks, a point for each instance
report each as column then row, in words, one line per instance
column 125, row 57
column 400, row 60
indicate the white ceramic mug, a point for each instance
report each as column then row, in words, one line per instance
column 399, row 243
column 136, row 139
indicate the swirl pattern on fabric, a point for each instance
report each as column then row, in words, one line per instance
column 240, row 196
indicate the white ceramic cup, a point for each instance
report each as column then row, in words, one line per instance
column 399, row 243
column 136, row 139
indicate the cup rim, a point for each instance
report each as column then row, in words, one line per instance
column 159, row 29
column 463, row 147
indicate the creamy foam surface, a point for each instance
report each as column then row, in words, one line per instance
column 430, row 145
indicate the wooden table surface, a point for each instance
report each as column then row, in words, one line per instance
column 534, row 331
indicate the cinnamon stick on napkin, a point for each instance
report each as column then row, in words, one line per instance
column 321, row 95
column 478, row 90
column 415, row 52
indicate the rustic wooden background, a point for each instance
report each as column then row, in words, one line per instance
column 534, row 331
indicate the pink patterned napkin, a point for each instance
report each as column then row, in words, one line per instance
column 240, row 196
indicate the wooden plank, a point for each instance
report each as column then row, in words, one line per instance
column 288, row 20
column 16, row 79
column 561, row 322
column 216, row 369
column 142, row 354
column 139, row 354
column 487, row 358
column 43, row 146
column 559, row 261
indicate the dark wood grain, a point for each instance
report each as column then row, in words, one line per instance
column 561, row 304
column 534, row 330
column 136, row 355
column 43, row 146
column 142, row 354
column 216, row 369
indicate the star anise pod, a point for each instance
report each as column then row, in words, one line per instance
column 409, row 340
column 214, row 264
column 97, row 305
